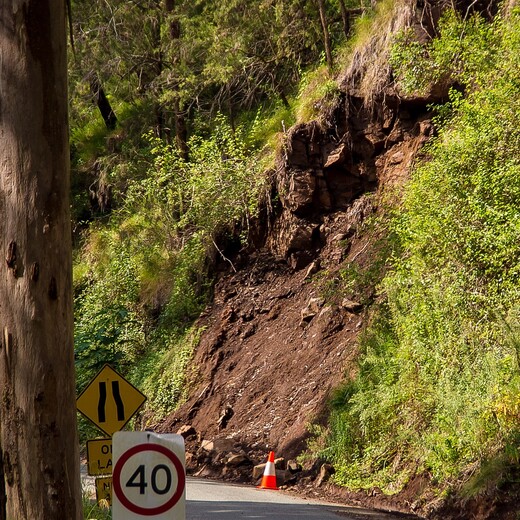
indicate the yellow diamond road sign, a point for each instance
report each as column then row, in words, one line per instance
column 109, row 400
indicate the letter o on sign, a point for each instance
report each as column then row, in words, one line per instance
column 148, row 471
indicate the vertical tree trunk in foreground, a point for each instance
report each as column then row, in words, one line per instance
column 38, row 439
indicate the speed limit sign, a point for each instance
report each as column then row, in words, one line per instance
column 149, row 478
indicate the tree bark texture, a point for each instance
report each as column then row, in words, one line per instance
column 38, row 434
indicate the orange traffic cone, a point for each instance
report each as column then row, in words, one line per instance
column 269, row 478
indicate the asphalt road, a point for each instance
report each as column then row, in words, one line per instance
column 217, row 501
column 212, row 500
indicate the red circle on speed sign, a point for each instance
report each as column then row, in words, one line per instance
column 135, row 508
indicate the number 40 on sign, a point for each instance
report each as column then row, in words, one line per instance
column 149, row 478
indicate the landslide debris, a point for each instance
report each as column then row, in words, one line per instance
column 280, row 334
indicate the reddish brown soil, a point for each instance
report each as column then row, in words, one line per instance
column 274, row 371
column 257, row 356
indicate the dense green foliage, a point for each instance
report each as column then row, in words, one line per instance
column 195, row 57
column 439, row 377
column 161, row 194
column 172, row 106
column 154, row 252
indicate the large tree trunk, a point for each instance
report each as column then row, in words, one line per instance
column 38, row 436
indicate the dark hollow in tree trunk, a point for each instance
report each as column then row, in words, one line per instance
column 3, row 496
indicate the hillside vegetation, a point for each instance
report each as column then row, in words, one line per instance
column 172, row 134
column 437, row 389
column 177, row 139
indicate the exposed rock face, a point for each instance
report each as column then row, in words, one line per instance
column 325, row 169
column 275, row 345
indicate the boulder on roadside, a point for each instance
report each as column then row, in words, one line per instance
column 237, row 459
column 279, row 463
column 294, row 467
column 218, row 445
column 326, row 471
column 258, row 470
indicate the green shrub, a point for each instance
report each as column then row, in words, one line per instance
column 465, row 52
column 439, row 373
column 93, row 511
column 154, row 254
column 168, row 382
column 318, row 91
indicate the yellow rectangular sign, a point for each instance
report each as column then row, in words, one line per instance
column 104, row 491
column 99, row 457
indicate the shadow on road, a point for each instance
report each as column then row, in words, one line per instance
column 200, row 510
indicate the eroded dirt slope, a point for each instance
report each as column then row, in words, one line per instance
column 277, row 340
column 271, row 368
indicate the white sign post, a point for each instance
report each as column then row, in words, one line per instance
column 149, row 477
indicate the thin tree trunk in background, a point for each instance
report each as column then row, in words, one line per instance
column 102, row 102
column 284, row 99
column 175, row 30
column 326, row 35
column 181, row 132
column 163, row 131
column 38, row 434
column 345, row 16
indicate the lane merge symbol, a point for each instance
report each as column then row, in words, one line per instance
column 120, row 407
column 109, row 400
